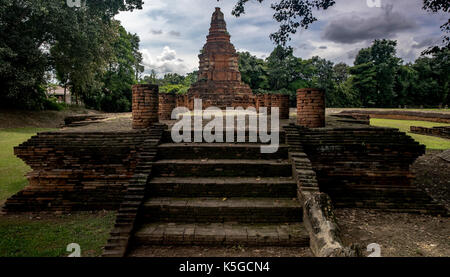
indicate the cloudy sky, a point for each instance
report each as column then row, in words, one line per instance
column 172, row 32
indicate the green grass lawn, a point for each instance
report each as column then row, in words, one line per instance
column 21, row 236
column 404, row 125
column 12, row 169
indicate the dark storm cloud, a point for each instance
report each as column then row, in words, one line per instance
column 351, row 55
column 156, row 32
column 424, row 42
column 175, row 33
column 353, row 28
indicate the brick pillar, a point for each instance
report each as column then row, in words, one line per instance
column 311, row 108
column 284, row 106
column 268, row 102
column 145, row 105
column 275, row 101
column 167, row 103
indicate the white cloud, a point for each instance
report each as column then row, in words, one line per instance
column 166, row 62
column 173, row 31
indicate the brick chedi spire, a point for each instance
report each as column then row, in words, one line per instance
column 219, row 80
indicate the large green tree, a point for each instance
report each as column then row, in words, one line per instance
column 282, row 67
column 435, row 6
column 374, row 73
column 121, row 73
column 29, row 29
column 291, row 14
column 253, row 71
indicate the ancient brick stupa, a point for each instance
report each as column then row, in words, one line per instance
column 219, row 80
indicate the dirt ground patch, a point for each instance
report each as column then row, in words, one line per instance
column 114, row 122
column 401, row 234
column 398, row 234
column 38, row 119
column 433, row 176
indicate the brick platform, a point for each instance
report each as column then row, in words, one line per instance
column 311, row 108
column 443, row 117
column 442, row 132
column 145, row 105
column 76, row 171
column 368, row 168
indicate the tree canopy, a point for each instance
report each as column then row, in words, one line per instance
column 291, row 14
column 37, row 37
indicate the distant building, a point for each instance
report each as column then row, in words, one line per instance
column 58, row 92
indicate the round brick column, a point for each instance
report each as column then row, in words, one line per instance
column 145, row 105
column 167, row 103
column 275, row 101
column 311, row 108
column 268, row 102
column 284, row 106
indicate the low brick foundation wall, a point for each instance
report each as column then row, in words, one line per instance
column 442, row 132
column 318, row 214
column 76, row 171
column 145, row 105
column 311, row 108
column 167, row 103
column 404, row 115
column 367, row 167
column 282, row 103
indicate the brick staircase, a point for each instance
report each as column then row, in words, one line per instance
column 220, row 194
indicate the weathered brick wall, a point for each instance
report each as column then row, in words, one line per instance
column 259, row 101
column 403, row 115
column 181, row 101
column 145, row 105
column 268, row 102
column 442, row 132
column 167, row 102
column 282, row 102
column 311, row 108
column 367, row 167
column 76, row 171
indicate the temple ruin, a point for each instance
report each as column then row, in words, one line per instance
column 168, row 193
column 219, row 80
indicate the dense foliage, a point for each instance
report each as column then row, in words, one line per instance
column 291, row 14
column 78, row 45
column 85, row 50
column 378, row 78
column 295, row 14
column 171, row 82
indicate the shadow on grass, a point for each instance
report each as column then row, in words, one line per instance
column 26, row 236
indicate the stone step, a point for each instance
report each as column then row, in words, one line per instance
column 218, row 151
column 158, row 233
column 222, row 168
column 223, row 187
column 167, row 136
column 219, row 210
